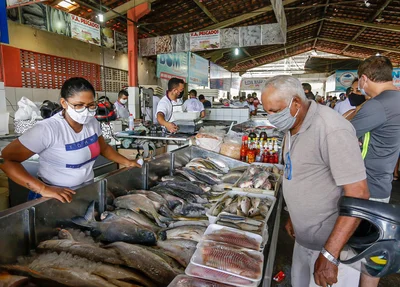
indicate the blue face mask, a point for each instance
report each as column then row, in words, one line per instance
column 362, row 91
column 283, row 120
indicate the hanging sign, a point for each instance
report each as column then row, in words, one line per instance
column 16, row 3
column 252, row 84
column 174, row 65
column 198, row 70
column 205, row 40
column 85, row 30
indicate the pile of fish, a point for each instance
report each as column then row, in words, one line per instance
column 246, row 206
column 146, row 237
column 260, row 177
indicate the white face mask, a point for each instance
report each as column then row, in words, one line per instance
column 123, row 101
column 81, row 118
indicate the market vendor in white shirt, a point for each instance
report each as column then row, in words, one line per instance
column 193, row 104
column 171, row 103
column 121, row 105
column 68, row 144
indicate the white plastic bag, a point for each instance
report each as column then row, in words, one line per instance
column 27, row 110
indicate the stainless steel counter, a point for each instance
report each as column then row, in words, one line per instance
column 157, row 136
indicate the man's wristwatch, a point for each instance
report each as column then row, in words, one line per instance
column 330, row 257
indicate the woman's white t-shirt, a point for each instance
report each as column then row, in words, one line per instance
column 66, row 157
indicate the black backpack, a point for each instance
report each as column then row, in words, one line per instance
column 49, row 109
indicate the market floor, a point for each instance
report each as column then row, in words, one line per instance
column 284, row 250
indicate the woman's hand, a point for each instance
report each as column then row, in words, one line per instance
column 62, row 194
column 134, row 163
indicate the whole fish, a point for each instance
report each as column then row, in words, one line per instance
column 238, row 219
column 106, row 271
column 254, row 211
column 232, row 177
column 65, row 277
column 145, row 261
column 174, row 178
column 255, row 202
column 185, row 174
column 169, row 260
column 210, row 165
column 209, row 179
column 190, row 210
column 157, row 199
column 133, row 216
column 267, row 185
column 189, row 232
column 185, row 195
column 115, row 229
column 138, row 202
column 195, row 164
column 173, row 201
column 245, row 205
column 221, row 164
column 88, row 251
column 185, row 186
column 204, row 223
column 260, row 178
column 179, row 249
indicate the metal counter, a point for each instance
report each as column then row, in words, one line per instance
column 25, row 225
column 157, row 136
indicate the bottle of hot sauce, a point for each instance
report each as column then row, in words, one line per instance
column 244, row 149
column 251, row 154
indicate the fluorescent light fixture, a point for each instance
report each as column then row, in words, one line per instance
column 66, row 4
column 101, row 17
column 236, row 51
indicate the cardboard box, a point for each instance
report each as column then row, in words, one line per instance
column 132, row 153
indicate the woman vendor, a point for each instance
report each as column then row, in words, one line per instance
column 68, row 144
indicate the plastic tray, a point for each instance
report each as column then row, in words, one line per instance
column 213, row 219
column 197, row 259
column 214, row 228
column 218, row 276
column 183, row 116
column 259, row 190
column 189, row 281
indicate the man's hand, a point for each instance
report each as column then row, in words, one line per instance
column 171, row 127
column 289, row 228
column 325, row 272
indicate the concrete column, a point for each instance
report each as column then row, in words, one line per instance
column 133, row 48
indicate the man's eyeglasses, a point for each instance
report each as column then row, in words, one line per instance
column 288, row 167
column 79, row 108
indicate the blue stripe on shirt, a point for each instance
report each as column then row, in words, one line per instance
column 81, row 164
column 82, row 144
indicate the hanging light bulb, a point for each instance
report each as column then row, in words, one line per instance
column 236, row 51
column 101, row 17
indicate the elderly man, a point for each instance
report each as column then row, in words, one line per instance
column 193, row 104
column 378, row 124
column 322, row 163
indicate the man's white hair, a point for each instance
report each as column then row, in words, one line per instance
column 287, row 87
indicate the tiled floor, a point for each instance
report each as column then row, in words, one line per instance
column 284, row 251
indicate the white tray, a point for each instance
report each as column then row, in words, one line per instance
column 215, row 227
column 197, row 260
column 205, row 283
column 218, row 276
column 213, row 219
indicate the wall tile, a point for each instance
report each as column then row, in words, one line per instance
column 1, row 85
column 10, row 95
column 40, row 95
column 3, row 102
column 23, row 92
column 53, row 95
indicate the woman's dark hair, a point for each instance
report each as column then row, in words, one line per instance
column 73, row 86
column 355, row 80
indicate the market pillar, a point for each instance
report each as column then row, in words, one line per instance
column 134, row 14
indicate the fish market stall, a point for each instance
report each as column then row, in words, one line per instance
column 127, row 211
column 173, row 141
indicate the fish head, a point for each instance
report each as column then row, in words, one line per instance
column 65, row 234
column 162, row 235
